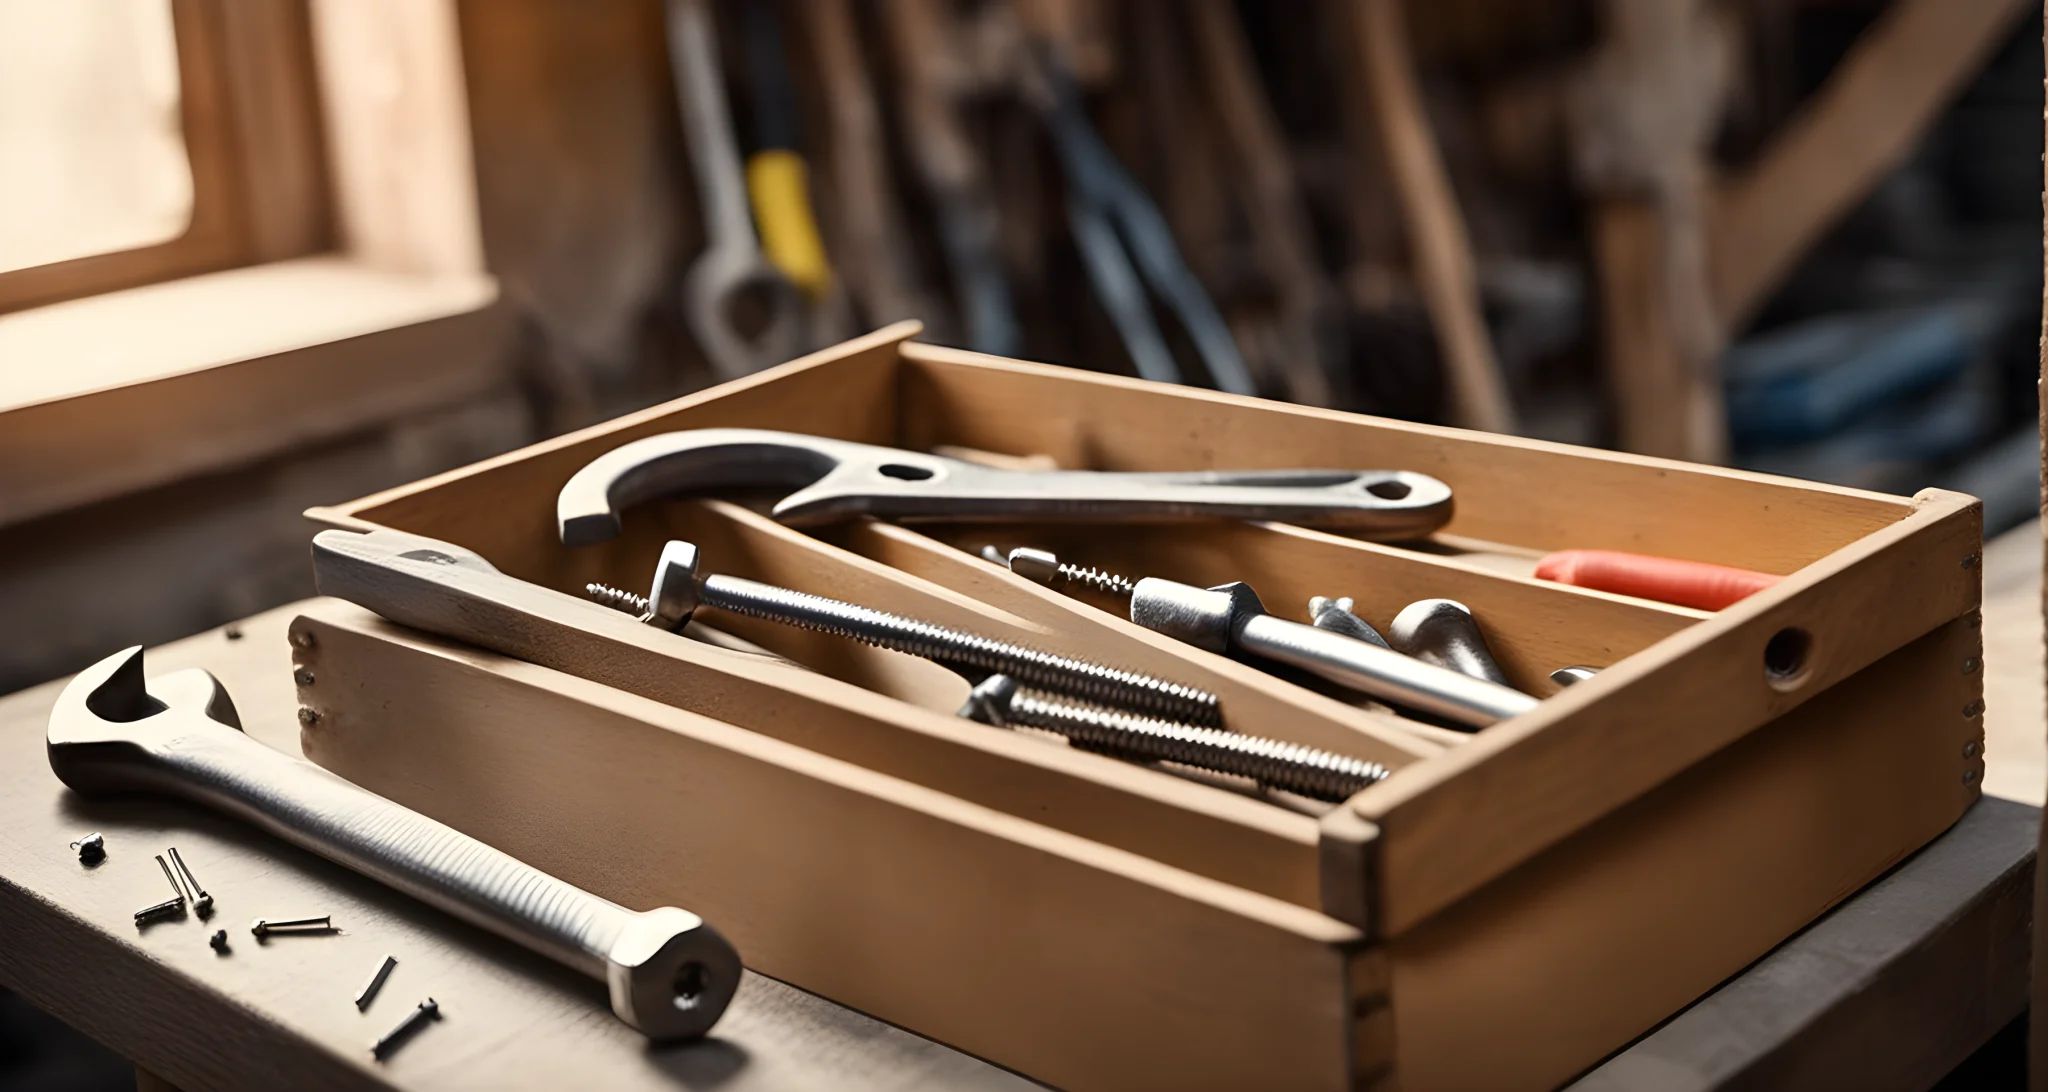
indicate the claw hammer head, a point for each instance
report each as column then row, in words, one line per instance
column 110, row 721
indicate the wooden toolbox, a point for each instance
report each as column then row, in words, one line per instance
column 1502, row 912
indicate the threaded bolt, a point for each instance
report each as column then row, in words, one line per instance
column 1290, row 766
column 1047, row 569
column 1082, row 679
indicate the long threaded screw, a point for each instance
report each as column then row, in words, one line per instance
column 1290, row 766
column 1081, row 679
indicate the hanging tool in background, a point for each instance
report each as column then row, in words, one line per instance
column 1307, row 338
column 932, row 81
column 1121, row 235
column 669, row 972
column 778, row 179
column 861, row 204
column 744, row 313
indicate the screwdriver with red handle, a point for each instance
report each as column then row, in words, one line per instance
column 1697, row 584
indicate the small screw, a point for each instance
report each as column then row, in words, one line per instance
column 92, row 849
column 415, row 1020
column 1971, row 664
column 218, row 941
column 202, row 903
column 1970, row 562
column 263, row 927
column 308, row 715
column 1970, row 749
column 303, row 676
column 1969, row 775
column 302, row 639
column 369, row 991
column 164, row 908
column 1973, row 708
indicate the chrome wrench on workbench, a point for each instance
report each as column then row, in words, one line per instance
column 744, row 312
column 840, row 479
column 670, row 975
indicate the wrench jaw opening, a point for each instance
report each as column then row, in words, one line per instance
column 112, row 726
column 670, row 975
column 745, row 313
column 679, row 463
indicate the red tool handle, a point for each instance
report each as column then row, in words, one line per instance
column 1665, row 579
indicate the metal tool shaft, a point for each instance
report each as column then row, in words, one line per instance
column 178, row 747
column 955, row 648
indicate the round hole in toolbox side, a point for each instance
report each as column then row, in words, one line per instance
column 1786, row 657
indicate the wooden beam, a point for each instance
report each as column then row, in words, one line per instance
column 1437, row 242
column 1847, row 137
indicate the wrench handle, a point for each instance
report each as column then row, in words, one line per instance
column 437, row 864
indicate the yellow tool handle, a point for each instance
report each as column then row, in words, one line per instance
column 778, row 182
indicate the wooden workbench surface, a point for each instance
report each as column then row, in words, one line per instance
column 281, row 1015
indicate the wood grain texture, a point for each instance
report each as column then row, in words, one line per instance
column 248, row 362
column 279, row 1015
column 1071, row 961
column 1696, row 880
column 1196, row 827
column 1525, row 493
column 1849, row 135
column 1666, row 403
column 1888, row 992
column 1453, row 824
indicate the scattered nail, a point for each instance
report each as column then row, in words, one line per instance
column 162, row 909
column 376, row 982
column 263, row 927
column 414, row 1021
column 177, row 888
column 202, row 903
column 92, row 849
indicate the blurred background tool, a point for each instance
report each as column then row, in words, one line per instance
column 778, row 178
column 933, row 80
column 1122, row 236
column 744, row 312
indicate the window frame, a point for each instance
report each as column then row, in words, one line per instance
column 250, row 119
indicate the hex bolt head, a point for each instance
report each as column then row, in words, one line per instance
column 672, row 597
column 1207, row 618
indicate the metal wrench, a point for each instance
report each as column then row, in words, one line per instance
column 744, row 312
column 840, row 479
column 669, row 973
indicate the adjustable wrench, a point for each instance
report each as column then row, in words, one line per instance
column 744, row 312
column 669, row 973
column 839, row 479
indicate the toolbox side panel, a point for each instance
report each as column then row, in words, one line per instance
column 1554, row 965
column 1075, row 963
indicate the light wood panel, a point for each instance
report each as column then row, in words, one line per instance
column 1525, row 493
column 1453, row 824
column 1086, row 966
